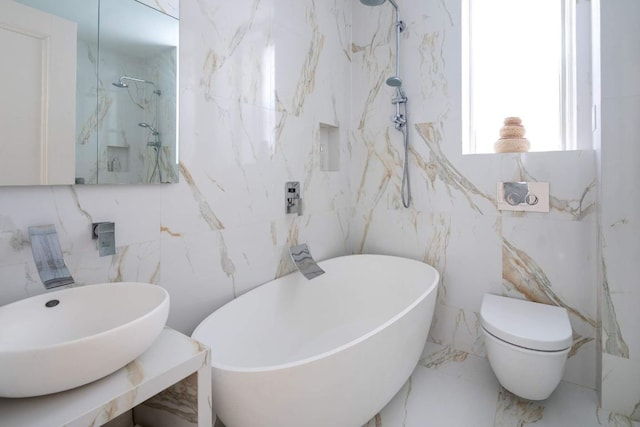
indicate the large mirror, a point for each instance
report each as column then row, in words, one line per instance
column 106, row 113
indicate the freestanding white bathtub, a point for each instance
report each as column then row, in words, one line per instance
column 331, row 351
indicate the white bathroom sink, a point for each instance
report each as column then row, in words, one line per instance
column 64, row 339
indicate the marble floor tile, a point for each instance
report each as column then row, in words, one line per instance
column 458, row 364
column 444, row 382
column 452, row 388
column 432, row 398
column 568, row 406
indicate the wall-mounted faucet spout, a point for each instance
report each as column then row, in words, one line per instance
column 303, row 260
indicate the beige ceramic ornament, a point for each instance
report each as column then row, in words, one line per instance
column 512, row 138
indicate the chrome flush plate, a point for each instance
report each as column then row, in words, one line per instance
column 523, row 196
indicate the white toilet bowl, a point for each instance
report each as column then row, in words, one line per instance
column 527, row 344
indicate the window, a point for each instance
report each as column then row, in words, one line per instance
column 519, row 59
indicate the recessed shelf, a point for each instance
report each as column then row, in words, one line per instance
column 329, row 147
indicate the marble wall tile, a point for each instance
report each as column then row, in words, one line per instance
column 573, row 190
column 256, row 80
column 468, row 267
column 22, row 281
column 458, row 364
column 619, row 56
column 620, row 90
column 461, row 329
column 555, row 253
column 72, row 211
column 473, row 265
column 620, row 386
column 453, row 223
column 620, row 219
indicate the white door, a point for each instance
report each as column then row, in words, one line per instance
column 37, row 97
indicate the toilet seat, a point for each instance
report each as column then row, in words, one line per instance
column 526, row 324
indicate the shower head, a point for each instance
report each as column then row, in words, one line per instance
column 378, row 3
column 151, row 128
column 120, row 84
column 394, row 81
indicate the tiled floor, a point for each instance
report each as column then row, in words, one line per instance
column 451, row 388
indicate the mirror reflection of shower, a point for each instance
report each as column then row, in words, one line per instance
column 151, row 128
column 399, row 100
column 155, row 143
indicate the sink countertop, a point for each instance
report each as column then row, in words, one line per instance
column 172, row 358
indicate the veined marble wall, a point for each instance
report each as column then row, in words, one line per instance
column 256, row 79
column 453, row 223
column 620, row 215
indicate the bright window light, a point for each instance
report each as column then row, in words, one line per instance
column 518, row 60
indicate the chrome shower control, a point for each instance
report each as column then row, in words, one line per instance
column 293, row 202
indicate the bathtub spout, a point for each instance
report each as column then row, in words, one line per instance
column 303, row 260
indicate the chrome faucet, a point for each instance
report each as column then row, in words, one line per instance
column 303, row 260
column 105, row 234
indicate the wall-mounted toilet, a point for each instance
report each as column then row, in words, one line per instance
column 527, row 344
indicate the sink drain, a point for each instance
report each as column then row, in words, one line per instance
column 52, row 303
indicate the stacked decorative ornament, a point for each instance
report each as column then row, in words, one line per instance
column 512, row 138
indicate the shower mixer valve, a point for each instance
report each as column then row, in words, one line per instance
column 399, row 121
column 293, row 202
